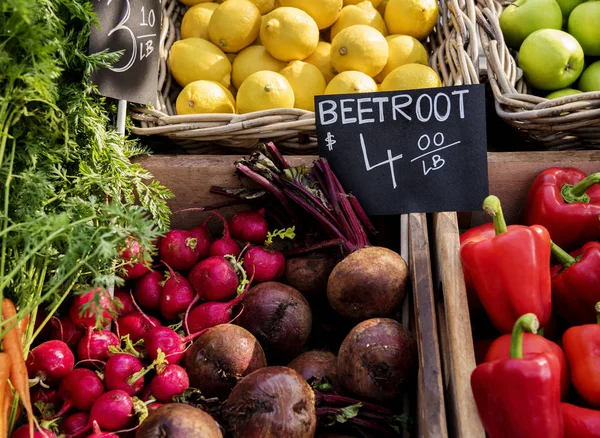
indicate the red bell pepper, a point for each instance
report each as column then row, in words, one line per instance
column 582, row 348
column 520, row 397
column 567, row 203
column 580, row 422
column 500, row 349
column 576, row 283
column 511, row 271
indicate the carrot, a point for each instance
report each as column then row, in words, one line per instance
column 4, row 387
column 11, row 344
column 22, row 326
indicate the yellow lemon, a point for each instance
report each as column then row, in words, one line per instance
column 196, row 19
column 416, row 18
column 381, row 7
column 250, row 60
column 362, row 13
column 234, row 25
column 204, row 97
column 351, row 82
column 289, row 34
column 321, row 58
column 355, row 2
column 194, row 2
column 194, row 59
column 264, row 90
column 264, row 6
column 403, row 49
column 306, row 81
column 411, row 77
column 360, row 48
column 324, row 12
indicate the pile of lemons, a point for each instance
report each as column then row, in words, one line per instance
column 240, row 56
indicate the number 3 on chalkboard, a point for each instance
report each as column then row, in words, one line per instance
column 121, row 26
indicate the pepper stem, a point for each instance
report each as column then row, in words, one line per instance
column 598, row 312
column 526, row 323
column 577, row 193
column 492, row 206
column 562, row 256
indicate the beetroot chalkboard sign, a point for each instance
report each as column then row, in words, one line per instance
column 132, row 27
column 408, row 151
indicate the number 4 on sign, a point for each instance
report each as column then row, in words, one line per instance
column 390, row 160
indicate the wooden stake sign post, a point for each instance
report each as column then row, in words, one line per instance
column 408, row 151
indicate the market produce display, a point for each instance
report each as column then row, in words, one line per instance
column 543, row 382
column 557, row 41
column 242, row 56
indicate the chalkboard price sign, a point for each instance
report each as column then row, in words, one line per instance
column 131, row 26
column 408, row 151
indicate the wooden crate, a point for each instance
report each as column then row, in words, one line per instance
column 510, row 176
column 189, row 177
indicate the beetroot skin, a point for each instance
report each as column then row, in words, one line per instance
column 214, row 279
column 50, row 361
column 249, row 226
column 148, row 289
column 179, row 249
column 264, row 264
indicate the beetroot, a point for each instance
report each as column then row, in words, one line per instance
column 122, row 371
column 167, row 340
column 50, row 361
column 225, row 245
column 177, row 420
column 318, row 367
column 176, row 296
column 147, row 290
column 179, row 249
column 79, row 389
column 113, row 410
column 271, row 402
column 214, row 279
column 169, row 381
column 95, row 345
column 203, row 240
column 64, row 330
column 280, row 318
column 136, row 325
column 249, row 226
column 124, row 298
column 309, row 274
column 87, row 318
column 74, row 423
column 210, row 314
column 23, row 432
column 135, row 266
column 265, row 264
column 220, row 357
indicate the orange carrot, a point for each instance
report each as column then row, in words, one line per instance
column 22, row 326
column 11, row 344
column 4, row 387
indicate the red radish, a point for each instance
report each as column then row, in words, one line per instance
column 169, row 381
column 154, row 406
column 23, row 432
column 214, row 279
column 136, row 325
column 99, row 434
column 249, row 226
column 148, row 289
column 123, row 296
column 225, row 245
column 75, row 423
column 87, row 318
column 50, row 361
column 203, row 240
column 176, row 296
column 145, row 393
column 179, row 249
column 210, row 314
column 64, row 330
column 113, row 410
column 45, row 399
column 79, row 389
column 95, row 345
column 265, row 264
column 136, row 266
column 168, row 341
column 122, row 371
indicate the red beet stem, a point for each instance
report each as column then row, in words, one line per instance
column 322, row 398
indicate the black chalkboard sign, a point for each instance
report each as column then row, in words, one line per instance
column 408, row 151
column 132, row 26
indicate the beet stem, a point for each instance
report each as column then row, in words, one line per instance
column 336, row 400
column 315, row 247
column 276, row 155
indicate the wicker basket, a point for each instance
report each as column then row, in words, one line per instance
column 571, row 122
column 454, row 54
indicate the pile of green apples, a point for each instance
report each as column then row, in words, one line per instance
column 558, row 43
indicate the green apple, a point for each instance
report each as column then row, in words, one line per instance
column 566, row 6
column 590, row 78
column 523, row 17
column 563, row 93
column 551, row 59
column 584, row 24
